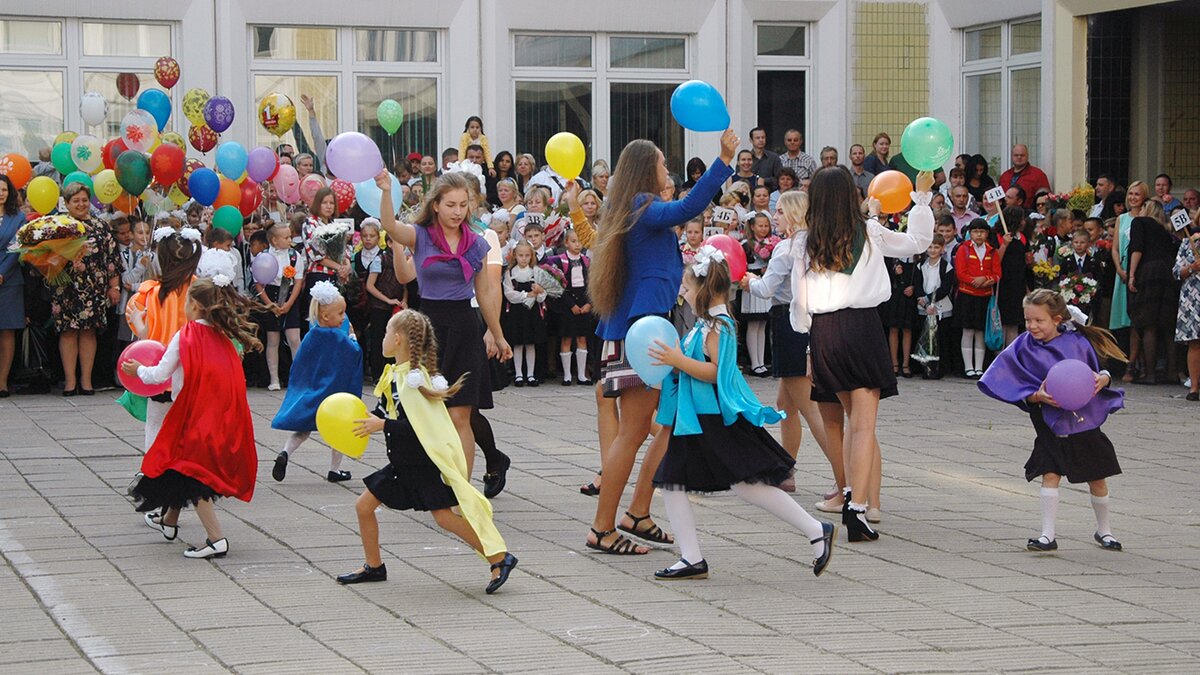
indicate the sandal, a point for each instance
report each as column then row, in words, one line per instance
column 619, row 546
column 652, row 534
column 590, row 490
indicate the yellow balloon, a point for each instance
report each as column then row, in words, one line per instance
column 565, row 154
column 106, row 186
column 193, row 106
column 175, row 138
column 42, row 193
column 337, row 416
column 64, row 137
column 276, row 113
column 177, row 196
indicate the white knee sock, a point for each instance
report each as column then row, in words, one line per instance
column 294, row 441
column 1100, row 506
column 683, row 522
column 581, row 359
column 273, row 355
column 519, row 361
column 335, row 460
column 756, row 342
column 566, row 364
column 978, row 349
column 1049, row 512
column 777, row 502
column 966, row 345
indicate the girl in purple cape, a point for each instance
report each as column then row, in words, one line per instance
column 1068, row 443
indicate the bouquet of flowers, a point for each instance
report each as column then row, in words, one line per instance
column 766, row 247
column 1078, row 289
column 332, row 239
column 1082, row 198
column 49, row 243
column 1045, row 273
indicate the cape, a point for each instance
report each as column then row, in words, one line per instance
column 208, row 433
column 684, row 398
column 1019, row 371
column 328, row 362
column 434, row 428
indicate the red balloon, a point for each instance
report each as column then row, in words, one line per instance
column 112, row 150
column 735, row 256
column 128, row 85
column 188, row 167
column 251, row 197
column 166, row 163
column 202, row 138
column 166, row 71
column 343, row 191
column 147, row 353
column 230, row 194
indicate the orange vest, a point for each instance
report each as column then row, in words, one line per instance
column 164, row 318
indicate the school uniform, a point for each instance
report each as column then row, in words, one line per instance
column 280, row 289
column 970, row 261
column 937, row 284
column 789, row 347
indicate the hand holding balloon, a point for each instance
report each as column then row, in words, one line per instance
column 729, row 146
column 666, row 354
column 1102, row 381
column 367, row 426
column 924, row 181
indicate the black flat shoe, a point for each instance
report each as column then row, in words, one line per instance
column 519, row 382
column 1041, row 546
column 829, row 532
column 494, row 481
column 566, row 383
column 506, row 567
column 5, row 394
column 858, row 529
column 1192, row 396
column 906, row 372
column 532, row 382
column 584, row 383
column 279, row 471
column 337, row 476
column 86, row 392
column 1107, row 541
column 367, row 574
column 68, row 393
column 691, row 571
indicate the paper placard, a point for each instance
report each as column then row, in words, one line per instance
column 711, row 231
column 347, row 222
column 1180, row 219
column 724, row 215
column 994, row 195
column 535, row 219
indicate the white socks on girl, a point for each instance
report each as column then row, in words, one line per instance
column 520, row 353
column 972, row 350
column 756, row 342
column 566, row 365
column 581, row 357
column 1049, row 512
column 1100, row 507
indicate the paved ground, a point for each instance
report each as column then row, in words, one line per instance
column 86, row 587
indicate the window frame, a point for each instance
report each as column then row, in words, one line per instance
column 1004, row 65
column 802, row 64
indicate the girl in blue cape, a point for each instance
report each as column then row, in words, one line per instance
column 329, row 361
column 717, row 441
column 1068, row 443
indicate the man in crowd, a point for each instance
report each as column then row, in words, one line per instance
column 1015, row 197
column 959, row 197
column 829, row 156
column 1191, row 199
column 766, row 163
column 1162, row 193
column 1104, row 187
column 862, row 177
column 796, row 159
column 1025, row 175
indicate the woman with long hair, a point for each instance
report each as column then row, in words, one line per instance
column 877, row 161
column 1136, row 196
column 636, row 272
column 320, row 266
column 526, row 167
column 503, row 168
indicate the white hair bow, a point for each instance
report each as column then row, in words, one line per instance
column 324, row 292
column 215, row 264
column 221, row 280
column 190, row 233
column 470, row 168
column 162, row 233
column 502, row 215
column 705, row 257
column 1077, row 317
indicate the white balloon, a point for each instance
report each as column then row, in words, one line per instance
column 86, row 153
column 139, row 130
column 93, row 108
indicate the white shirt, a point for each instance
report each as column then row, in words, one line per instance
column 931, row 273
column 168, row 368
column 775, row 282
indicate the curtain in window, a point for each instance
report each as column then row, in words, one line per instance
column 546, row 108
column 643, row 110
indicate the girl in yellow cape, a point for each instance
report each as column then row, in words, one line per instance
column 426, row 469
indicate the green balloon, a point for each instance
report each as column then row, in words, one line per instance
column 60, row 156
column 133, row 172
column 228, row 218
column 927, row 143
column 391, row 115
column 79, row 177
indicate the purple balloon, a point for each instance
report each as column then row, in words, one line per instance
column 1072, row 383
column 218, row 113
column 353, row 157
column 264, row 268
column 261, row 164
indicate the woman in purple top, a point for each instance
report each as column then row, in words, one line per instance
column 448, row 257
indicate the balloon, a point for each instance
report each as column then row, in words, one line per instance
column 264, row 268
column 64, row 137
column 287, row 184
column 106, row 186
column 337, row 416
column 202, row 138
column 698, row 106
column 174, row 138
column 229, row 194
column 188, row 167
column 176, row 194
column 205, row 186
column 133, row 172
column 260, row 164
column 228, row 218
column 166, row 163
column 193, row 106
column 17, row 168
column 565, row 154
column 166, row 71
column 892, row 189
column 147, row 353
column 112, row 150
column 218, row 113
column 735, row 255
column 139, row 130
column 344, row 192
column 79, row 177
column 126, row 202
column 42, row 193
column 128, row 85
column 927, row 143
column 390, row 115
column 309, row 186
column 231, row 159
column 93, row 108
column 87, row 153
column 60, row 156
column 157, row 104
column 251, row 197
column 1071, row 383
column 154, row 201
column 353, row 157
column 276, row 113
column 641, row 336
column 369, row 196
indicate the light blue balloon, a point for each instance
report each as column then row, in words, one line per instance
column 638, row 341
column 698, row 106
column 231, row 159
column 368, row 195
column 157, row 104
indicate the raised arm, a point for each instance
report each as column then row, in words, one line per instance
column 401, row 233
column 920, row 223
column 662, row 215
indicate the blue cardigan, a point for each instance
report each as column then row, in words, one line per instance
column 655, row 266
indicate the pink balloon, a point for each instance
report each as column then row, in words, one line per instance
column 735, row 256
column 309, row 186
column 1071, row 383
column 147, row 353
column 287, row 184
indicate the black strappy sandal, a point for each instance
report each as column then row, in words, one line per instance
column 591, row 489
column 619, row 546
column 654, row 534
column 506, row 567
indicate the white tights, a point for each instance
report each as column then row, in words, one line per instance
column 756, row 342
column 521, row 354
column 293, row 338
column 972, row 346
column 298, row 437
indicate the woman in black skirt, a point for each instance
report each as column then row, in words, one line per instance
column 1012, row 245
column 1153, row 291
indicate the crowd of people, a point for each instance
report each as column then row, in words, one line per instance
column 543, row 265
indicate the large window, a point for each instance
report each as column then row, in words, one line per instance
column 782, row 63
column 1002, row 84
column 564, row 82
column 347, row 73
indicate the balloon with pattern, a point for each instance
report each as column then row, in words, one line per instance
column 139, row 130
column 106, row 186
column 218, row 113
column 202, row 138
column 17, row 168
column 166, row 71
column 193, row 105
column 93, row 108
column 87, row 153
column 166, row 163
column 276, row 113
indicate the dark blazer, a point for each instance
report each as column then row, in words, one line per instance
column 949, row 280
column 1091, row 266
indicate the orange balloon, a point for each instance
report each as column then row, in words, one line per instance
column 892, row 189
column 17, row 168
column 230, row 194
column 126, row 203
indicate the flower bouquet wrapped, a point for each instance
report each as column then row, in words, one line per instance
column 1045, row 273
column 1078, row 289
column 49, row 244
column 332, row 239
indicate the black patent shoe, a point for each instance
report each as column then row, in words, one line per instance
column 494, row 482
column 691, row 571
column 584, row 383
column 337, row 476
column 279, row 471
column 829, row 533
column 367, row 573
column 858, row 529
column 846, row 508
column 1041, row 546
column 1107, row 541
column 506, row 567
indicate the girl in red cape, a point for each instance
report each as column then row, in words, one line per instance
column 205, row 448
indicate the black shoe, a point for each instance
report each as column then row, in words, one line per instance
column 494, row 481
column 846, row 508
column 368, row 573
column 567, row 383
column 1039, row 545
column 858, row 529
column 532, row 382
column 5, row 394
column 86, row 392
column 584, row 383
column 337, row 476
column 1107, row 541
column 691, row 571
column 1192, row 396
column 519, row 382
column 279, row 472
column 506, row 567
column 68, row 393
column 211, row 549
column 829, row 533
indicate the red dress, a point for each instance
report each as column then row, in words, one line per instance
column 206, row 446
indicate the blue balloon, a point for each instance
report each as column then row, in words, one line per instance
column 638, row 341
column 157, row 104
column 231, row 159
column 697, row 105
column 205, row 185
column 368, row 195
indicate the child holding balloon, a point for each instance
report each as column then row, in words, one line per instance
column 281, row 295
column 1066, row 412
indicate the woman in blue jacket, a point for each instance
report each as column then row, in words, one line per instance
column 636, row 272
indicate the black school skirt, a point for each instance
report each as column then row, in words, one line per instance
column 460, row 350
column 849, row 351
column 1087, row 455
column 789, row 349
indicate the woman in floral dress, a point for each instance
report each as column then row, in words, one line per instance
column 1187, row 327
column 80, row 306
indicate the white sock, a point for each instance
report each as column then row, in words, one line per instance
column 294, row 441
column 273, row 356
column 1050, row 512
column 581, row 359
column 1100, row 506
column 566, row 364
column 965, row 345
column 777, row 502
column 756, row 342
column 683, row 523
column 519, row 361
column 335, row 460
